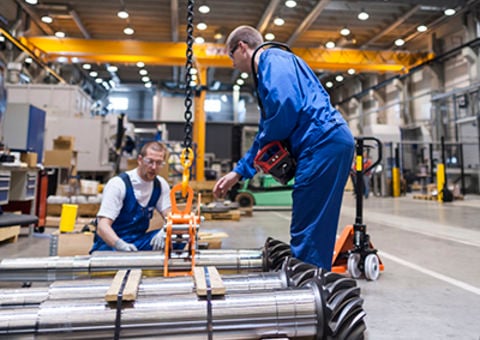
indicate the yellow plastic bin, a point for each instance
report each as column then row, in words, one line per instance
column 68, row 217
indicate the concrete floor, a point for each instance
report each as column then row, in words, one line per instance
column 430, row 288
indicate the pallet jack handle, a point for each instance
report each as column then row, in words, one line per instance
column 360, row 171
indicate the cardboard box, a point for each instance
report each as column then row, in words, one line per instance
column 88, row 187
column 60, row 158
column 31, row 158
column 64, row 143
column 75, row 243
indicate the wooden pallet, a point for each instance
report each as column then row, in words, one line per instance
column 425, row 197
column 247, row 211
column 9, row 234
column 233, row 215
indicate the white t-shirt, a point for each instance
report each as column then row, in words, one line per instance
column 115, row 190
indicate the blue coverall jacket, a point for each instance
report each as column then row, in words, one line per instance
column 133, row 221
column 297, row 110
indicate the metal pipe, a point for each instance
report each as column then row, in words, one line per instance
column 55, row 268
column 73, row 267
column 149, row 286
column 325, row 306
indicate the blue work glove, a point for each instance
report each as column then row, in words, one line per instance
column 121, row 245
column 158, row 241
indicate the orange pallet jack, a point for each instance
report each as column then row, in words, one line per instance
column 354, row 252
column 181, row 224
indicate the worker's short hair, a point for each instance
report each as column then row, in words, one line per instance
column 248, row 34
column 153, row 145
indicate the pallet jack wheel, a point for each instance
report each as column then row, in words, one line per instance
column 372, row 267
column 352, row 265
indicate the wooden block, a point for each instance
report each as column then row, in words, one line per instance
column 216, row 284
column 131, row 287
column 9, row 234
column 246, row 211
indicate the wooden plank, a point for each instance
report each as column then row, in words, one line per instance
column 9, row 233
column 216, row 284
column 131, row 287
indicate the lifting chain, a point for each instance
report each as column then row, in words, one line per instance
column 187, row 154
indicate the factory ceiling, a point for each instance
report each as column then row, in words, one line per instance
column 326, row 33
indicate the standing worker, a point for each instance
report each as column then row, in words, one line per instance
column 128, row 202
column 297, row 111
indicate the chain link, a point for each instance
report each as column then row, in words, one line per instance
column 187, row 143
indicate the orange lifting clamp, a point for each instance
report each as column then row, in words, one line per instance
column 180, row 223
column 354, row 253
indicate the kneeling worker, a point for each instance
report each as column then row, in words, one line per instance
column 128, row 202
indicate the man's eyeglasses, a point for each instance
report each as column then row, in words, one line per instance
column 232, row 51
column 151, row 162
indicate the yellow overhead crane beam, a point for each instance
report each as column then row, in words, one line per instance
column 214, row 55
column 49, row 49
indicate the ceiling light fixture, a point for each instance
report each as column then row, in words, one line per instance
column 28, row 60
column 60, row 34
column 279, row 21
column 47, row 19
column 145, row 79
column 363, row 15
column 140, row 64
column 339, row 78
column 269, row 36
column 31, row 2
column 351, row 71
column 218, row 36
column 148, row 85
column 345, row 31
column 86, row 66
column 122, row 14
column 290, row 3
column 128, row 30
column 399, row 42
column 240, row 82
column 244, row 75
column 143, row 72
column 202, row 26
column 199, row 40
column 422, row 28
column 330, row 44
column 112, row 68
column 329, row 84
column 449, row 12
column 236, row 87
column 204, row 9
column 93, row 74
column 99, row 80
